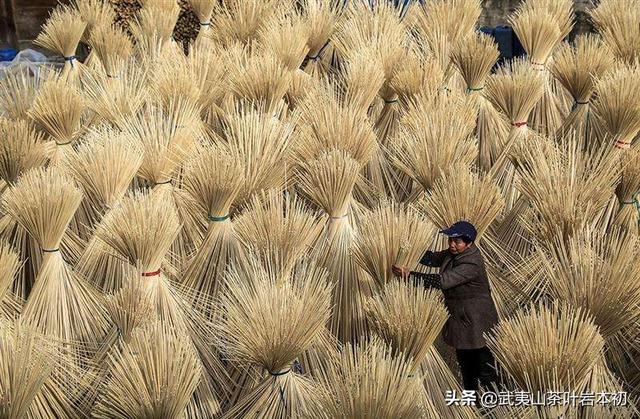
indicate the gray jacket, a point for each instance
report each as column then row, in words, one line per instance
column 467, row 296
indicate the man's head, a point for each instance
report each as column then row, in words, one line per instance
column 461, row 236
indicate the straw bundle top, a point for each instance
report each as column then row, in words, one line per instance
column 214, row 177
column 141, row 229
column 43, row 202
column 269, row 321
column 62, row 31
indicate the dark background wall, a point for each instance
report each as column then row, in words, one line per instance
column 21, row 20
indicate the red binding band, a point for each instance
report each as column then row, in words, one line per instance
column 154, row 273
column 519, row 124
column 622, row 145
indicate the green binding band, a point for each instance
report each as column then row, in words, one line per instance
column 279, row 373
column 216, row 218
column 634, row 201
column 474, row 89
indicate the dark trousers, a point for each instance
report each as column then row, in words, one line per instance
column 477, row 365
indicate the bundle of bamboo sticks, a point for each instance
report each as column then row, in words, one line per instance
column 200, row 219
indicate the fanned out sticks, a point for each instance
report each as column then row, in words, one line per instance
column 617, row 23
column 141, row 230
column 442, row 24
column 262, row 143
column 61, row 304
column 238, row 21
column 420, row 74
column 603, row 379
column 409, row 318
column 577, row 66
column 463, row 195
column 171, row 79
column 377, row 26
column 390, row 234
column 561, row 12
column 167, row 134
column 628, row 192
column 435, row 136
column 213, row 177
column 203, row 10
column 95, row 13
column 112, row 47
column 278, row 229
column 58, row 109
column 155, row 375
column 328, row 121
column 157, row 17
column 130, row 310
column 368, row 380
column 567, row 184
column 321, row 18
column 18, row 89
column 474, row 57
column 362, row 77
column 596, row 270
column 286, row 37
column 116, row 101
column 152, row 30
column 260, row 78
column 514, row 89
column 30, row 384
column 208, row 67
column 572, row 346
column 22, row 149
column 61, row 34
column 301, row 88
column 267, row 321
column 616, row 107
column 540, row 34
column 328, row 181
column 10, row 264
column 104, row 165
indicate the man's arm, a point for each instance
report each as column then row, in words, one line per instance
column 433, row 259
column 450, row 278
column 458, row 275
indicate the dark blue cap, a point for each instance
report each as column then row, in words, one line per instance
column 461, row 229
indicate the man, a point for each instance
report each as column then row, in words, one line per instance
column 467, row 295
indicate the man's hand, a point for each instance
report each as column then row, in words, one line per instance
column 401, row 271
